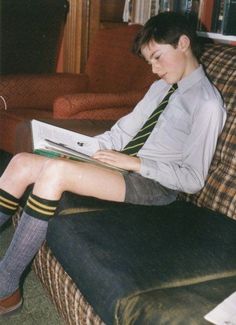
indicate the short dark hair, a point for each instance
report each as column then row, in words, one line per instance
column 166, row 28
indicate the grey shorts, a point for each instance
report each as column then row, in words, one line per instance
column 145, row 191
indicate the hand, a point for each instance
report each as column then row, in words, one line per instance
column 118, row 159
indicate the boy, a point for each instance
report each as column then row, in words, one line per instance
column 163, row 157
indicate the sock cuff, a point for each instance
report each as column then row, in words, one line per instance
column 40, row 208
column 8, row 203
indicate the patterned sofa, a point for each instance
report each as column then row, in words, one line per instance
column 106, row 263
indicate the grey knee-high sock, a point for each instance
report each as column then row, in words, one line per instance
column 8, row 206
column 4, row 218
column 28, row 238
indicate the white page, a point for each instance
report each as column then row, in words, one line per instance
column 224, row 313
column 42, row 131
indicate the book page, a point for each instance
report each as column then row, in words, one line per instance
column 43, row 133
column 52, row 141
column 224, row 313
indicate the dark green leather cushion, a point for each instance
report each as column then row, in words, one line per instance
column 184, row 305
column 126, row 251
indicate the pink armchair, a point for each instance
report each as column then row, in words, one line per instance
column 113, row 82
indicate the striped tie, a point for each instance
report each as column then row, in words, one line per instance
column 133, row 147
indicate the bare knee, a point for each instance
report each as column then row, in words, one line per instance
column 20, row 172
column 20, row 165
column 51, row 179
column 20, row 160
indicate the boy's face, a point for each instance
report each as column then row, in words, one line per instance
column 169, row 63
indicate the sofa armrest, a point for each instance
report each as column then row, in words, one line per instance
column 103, row 114
column 70, row 106
column 38, row 90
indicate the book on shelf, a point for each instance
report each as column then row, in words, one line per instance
column 56, row 142
column 184, row 6
column 217, row 16
column 205, row 15
column 139, row 11
column 229, row 18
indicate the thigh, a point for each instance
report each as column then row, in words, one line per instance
column 80, row 178
column 99, row 182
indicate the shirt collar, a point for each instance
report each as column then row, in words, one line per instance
column 188, row 81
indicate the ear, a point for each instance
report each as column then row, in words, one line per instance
column 184, row 43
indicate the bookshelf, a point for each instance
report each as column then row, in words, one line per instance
column 217, row 18
column 229, row 39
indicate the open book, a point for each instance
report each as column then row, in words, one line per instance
column 53, row 141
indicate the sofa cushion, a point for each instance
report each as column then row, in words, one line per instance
column 179, row 305
column 128, row 250
column 219, row 192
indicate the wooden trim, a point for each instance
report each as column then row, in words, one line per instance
column 83, row 21
column 94, row 19
column 76, row 36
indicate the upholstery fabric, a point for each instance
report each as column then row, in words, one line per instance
column 38, row 91
column 109, row 106
column 70, row 303
column 126, row 251
column 219, row 192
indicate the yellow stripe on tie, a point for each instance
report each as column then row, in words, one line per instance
column 40, row 210
column 41, row 205
column 148, row 126
column 141, row 136
column 134, row 146
column 8, row 206
column 8, row 201
column 157, row 113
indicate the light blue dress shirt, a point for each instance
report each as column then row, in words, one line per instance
column 179, row 151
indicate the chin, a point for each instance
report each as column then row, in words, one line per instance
column 170, row 80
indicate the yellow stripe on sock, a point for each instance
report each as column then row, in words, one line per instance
column 8, row 201
column 8, row 206
column 48, row 213
column 41, row 205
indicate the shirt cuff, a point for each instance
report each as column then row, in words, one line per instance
column 148, row 168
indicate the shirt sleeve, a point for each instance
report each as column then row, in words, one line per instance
column 190, row 174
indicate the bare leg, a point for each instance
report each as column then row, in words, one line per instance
column 57, row 176
column 54, row 176
column 51, row 178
